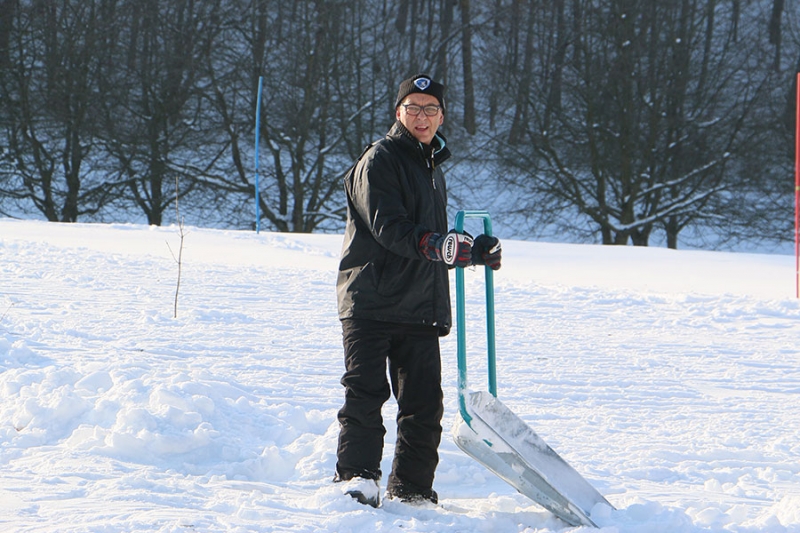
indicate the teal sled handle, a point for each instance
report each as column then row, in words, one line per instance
column 461, row 318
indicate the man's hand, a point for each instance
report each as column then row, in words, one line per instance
column 455, row 249
column 486, row 250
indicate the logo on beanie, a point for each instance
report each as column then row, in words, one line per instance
column 422, row 83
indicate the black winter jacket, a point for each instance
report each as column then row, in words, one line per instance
column 395, row 195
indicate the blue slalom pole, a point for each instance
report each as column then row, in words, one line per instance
column 258, row 132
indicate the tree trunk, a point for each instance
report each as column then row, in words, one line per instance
column 466, row 60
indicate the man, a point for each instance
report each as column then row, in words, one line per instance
column 394, row 301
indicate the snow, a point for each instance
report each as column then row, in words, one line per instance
column 669, row 379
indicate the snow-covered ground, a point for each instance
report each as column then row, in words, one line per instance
column 670, row 380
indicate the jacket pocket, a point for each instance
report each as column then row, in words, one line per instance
column 392, row 274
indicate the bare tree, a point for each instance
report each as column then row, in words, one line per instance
column 775, row 33
column 466, row 60
column 325, row 88
column 620, row 121
column 155, row 126
column 640, row 144
column 48, row 87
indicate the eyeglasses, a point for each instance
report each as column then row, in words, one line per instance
column 414, row 110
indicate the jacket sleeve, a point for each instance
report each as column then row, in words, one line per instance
column 380, row 196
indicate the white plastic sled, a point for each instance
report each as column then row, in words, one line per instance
column 493, row 435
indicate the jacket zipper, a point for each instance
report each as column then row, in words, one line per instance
column 432, row 167
column 431, row 164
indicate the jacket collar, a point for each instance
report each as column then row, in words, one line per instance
column 437, row 149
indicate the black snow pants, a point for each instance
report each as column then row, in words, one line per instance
column 415, row 371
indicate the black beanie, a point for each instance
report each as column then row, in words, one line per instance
column 421, row 83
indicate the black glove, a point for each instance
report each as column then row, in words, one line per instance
column 486, row 250
column 455, row 249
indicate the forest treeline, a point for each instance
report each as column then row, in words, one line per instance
column 611, row 121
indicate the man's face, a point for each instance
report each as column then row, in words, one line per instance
column 421, row 126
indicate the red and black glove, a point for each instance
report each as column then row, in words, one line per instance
column 486, row 250
column 455, row 249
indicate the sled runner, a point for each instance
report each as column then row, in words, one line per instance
column 493, row 435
